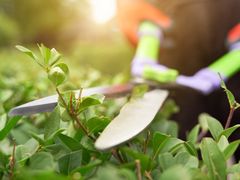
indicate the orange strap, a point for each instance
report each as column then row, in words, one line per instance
column 234, row 34
column 132, row 12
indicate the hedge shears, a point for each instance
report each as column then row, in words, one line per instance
column 137, row 114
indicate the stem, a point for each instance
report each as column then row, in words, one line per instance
column 116, row 154
column 74, row 116
column 148, row 175
column 12, row 162
column 229, row 119
column 146, row 142
column 201, row 135
column 71, row 104
column 138, row 166
column 79, row 98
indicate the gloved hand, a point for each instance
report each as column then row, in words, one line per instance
column 145, row 63
column 132, row 12
column 142, row 23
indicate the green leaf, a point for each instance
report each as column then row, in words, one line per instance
column 30, row 54
column 214, row 125
column 166, row 127
column 70, row 162
column 190, row 148
column 171, row 144
column 158, row 142
column 166, row 160
column 187, row 160
column 69, row 142
column 4, row 160
column 38, row 137
column 177, row 148
column 27, row 51
column 234, row 169
column 231, row 148
column 89, row 167
column 65, row 115
column 198, row 174
column 193, row 135
column 92, row 100
column 26, row 174
column 170, row 107
column 57, row 150
column 3, row 120
column 52, row 123
column 11, row 123
column 63, row 67
column 143, row 158
column 5, row 95
column 42, row 161
column 230, row 96
column 214, row 159
column 110, row 172
column 177, row 172
column 87, row 143
column 55, row 57
column 45, row 52
column 26, row 150
column 227, row 132
column 97, row 124
column 55, row 134
column 222, row 143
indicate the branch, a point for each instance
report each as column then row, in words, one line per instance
column 12, row 162
column 229, row 119
column 138, row 168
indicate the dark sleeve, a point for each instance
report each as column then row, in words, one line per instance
column 199, row 32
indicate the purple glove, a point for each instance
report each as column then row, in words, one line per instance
column 204, row 81
column 138, row 65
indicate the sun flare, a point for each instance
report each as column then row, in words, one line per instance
column 103, row 10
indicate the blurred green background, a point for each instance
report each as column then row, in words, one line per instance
column 88, row 47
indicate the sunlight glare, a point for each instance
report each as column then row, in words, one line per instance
column 103, row 10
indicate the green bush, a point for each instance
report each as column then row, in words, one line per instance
column 60, row 144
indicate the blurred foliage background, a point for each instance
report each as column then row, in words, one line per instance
column 68, row 26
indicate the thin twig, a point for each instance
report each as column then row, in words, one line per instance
column 60, row 96
column 79, row 98
column 146, row 142
column 201, row 135
column 12, row 162
column 71, row 104
column 116, row 154
column 229, row 119
column 138, row 168
column 74, row 116
column 148, row 175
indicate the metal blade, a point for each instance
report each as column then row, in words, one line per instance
column 47, row 104
column 133, row 118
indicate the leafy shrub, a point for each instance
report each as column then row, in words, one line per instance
column 60, row 145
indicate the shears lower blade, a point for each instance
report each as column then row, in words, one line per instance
column 47, row 104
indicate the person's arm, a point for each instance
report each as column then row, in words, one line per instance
column 142, row 24
column 207, row 80
column 145, row 63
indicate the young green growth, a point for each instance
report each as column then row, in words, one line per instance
column 232, row 102
column 49, row 61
